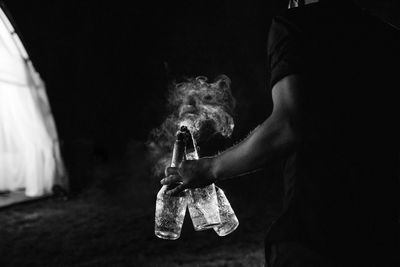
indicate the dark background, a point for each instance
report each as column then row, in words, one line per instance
column 107, row 67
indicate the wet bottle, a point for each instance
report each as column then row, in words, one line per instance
column 202, row 202
column 229, row 221
column 170, row 210
column 202, row 205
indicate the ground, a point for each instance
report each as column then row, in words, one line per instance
column 110, row 222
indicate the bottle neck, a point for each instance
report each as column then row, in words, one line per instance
column 178, row 153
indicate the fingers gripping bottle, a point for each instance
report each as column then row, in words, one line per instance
column 203, row 202
column 170, row 210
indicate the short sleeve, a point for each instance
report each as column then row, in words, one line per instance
column 286, row 49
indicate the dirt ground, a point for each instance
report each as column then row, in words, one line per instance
column 110, row 222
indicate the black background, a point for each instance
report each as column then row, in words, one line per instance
column 107, row 65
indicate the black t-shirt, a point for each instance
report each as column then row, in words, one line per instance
column 341, row 184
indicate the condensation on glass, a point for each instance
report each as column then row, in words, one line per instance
column 170, row 210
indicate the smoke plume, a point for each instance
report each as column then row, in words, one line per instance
column 207, row 109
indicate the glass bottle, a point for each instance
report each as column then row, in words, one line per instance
column 203, row 208
column 170, row 210
column 203, row 202
column 229, row 221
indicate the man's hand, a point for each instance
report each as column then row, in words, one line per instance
column 189, row 174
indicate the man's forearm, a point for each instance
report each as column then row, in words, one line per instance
column 273, row 138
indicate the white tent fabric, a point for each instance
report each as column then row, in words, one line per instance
column 29, row 150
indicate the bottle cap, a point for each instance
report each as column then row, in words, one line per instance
column 183, row 134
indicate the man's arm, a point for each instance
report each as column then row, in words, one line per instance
column 275, row 137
